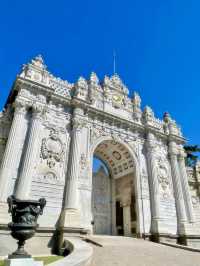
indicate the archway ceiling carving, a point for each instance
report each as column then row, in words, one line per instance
column 116, row 156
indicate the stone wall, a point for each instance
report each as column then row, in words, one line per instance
column 194, row 183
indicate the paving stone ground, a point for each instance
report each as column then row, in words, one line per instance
column 124, row 251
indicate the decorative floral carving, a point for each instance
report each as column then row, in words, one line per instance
column 117, row 155
column 115, row 92
column 78, row 124
column 97, row 133
column 170, row 126
column 81, row 88
column 83, row 161
column 195, row 201
column 163, row 177
column 52, row 149
column 134, row 145
column 50, row 176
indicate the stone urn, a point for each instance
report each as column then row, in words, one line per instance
column 24, row 221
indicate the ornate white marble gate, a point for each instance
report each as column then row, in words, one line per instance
column 49, row 131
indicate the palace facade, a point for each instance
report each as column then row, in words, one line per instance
column 50, row 130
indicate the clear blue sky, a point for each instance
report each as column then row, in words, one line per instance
column 157, row 45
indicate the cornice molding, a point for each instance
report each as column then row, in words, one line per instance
column 136, row 120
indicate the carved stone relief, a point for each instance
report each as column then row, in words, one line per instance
column 163, row 177
column 195, row 195
column 49, row 177
column 83, row 161
column 52, row 149
column 195, row 201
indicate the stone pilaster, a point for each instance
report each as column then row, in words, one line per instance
column 70, row 216
column 153, row 183
column 185, row 186
column 178, row 193
column 10, row 160
column 27, row 168
column 127, row 219
column 126, row 204
column 113, row 191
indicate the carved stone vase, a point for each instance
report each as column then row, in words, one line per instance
column 24, row 221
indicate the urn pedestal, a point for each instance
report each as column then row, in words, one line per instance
column 23, row 262
column 23, row 226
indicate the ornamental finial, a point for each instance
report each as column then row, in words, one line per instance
column 93, row 78
column 38, row 61
column 136, row 100
column 166, row 117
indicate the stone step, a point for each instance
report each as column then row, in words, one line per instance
column 118, row 251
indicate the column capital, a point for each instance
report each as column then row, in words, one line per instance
column 20, row 107
column 78, row 124
column 37, row 111
column 78, row 111
column 173, row 149
column 126, row 197
column 125, row 203
column 151, row 136
column 150, row 146
column 150, row 143
column 182, row 154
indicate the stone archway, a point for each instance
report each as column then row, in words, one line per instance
column 114, row 195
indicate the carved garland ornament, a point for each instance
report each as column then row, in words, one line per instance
column 163, row 177
column 83, row 161
column 195, row 201
column 52, row 149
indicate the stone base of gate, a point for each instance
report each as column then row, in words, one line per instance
column 70, row 218
column 5, row 217
column 158, row 238
column 185, row 240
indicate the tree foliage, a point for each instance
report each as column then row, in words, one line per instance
column 192, row 157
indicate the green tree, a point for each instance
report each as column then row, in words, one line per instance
column 192, row 157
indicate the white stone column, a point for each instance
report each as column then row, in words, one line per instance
column 153, row 183
column 27, row 168
column 185, row 186
column 125, row 194
column 71, row 216
column 127, row 219
column 178, row 193
column 113, row 200
column 71, row 200
column 13, row 145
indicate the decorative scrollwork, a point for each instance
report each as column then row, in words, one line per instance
column 83, row 161
column 163, row 177
column 52, row 149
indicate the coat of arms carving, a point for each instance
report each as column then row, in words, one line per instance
column 52, row 149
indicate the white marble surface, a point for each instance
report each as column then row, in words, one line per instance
column 23, row 262
column 65, row 125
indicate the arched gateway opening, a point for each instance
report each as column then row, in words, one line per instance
column 113, row 190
